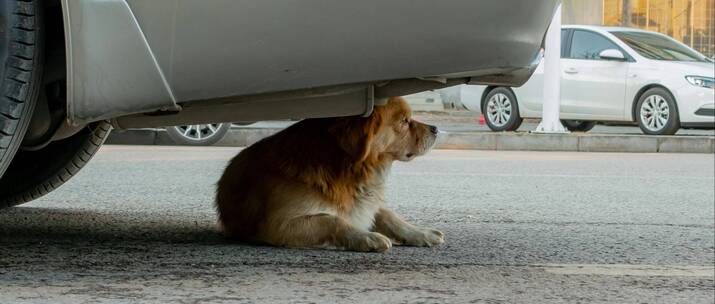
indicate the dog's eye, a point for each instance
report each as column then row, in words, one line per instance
column 405, row 120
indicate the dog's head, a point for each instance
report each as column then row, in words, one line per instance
column 389, row 133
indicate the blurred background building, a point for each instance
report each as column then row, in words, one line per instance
column 689, row 21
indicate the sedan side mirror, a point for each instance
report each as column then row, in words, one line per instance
column 612, row 54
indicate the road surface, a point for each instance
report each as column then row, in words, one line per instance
column 138, row 225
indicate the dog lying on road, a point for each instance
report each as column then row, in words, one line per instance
column 320, row 183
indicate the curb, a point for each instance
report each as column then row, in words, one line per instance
column 577, row 142
column 502, row 141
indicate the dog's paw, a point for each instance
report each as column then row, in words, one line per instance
column 370, row 242
column 425, row 237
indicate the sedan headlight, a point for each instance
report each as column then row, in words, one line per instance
column 705, row 82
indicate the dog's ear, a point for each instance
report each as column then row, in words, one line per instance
column 355, row 135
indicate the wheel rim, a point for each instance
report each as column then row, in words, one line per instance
column 198, row 132
column 499, row 110
column 655, row 113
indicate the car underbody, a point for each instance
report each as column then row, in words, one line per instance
column 97, row 64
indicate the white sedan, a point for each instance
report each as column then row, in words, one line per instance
column 611, row 74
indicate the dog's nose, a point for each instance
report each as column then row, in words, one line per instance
column 433, row 129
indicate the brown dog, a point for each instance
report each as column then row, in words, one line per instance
column 321, row 183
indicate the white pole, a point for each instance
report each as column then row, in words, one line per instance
column 550, row 122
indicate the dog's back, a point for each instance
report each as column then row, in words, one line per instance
column 238, row 213
column 244, row 190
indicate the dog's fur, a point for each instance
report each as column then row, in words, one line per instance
column 321, row 183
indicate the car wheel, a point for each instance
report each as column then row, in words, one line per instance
column 657, row 113
column 578, row 125
column 501, row 110
column 198, row 135
column 35, row 173
column 21, row 56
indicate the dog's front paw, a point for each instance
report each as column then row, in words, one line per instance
column 378, row 242
column 425, row 237
column 370, row 242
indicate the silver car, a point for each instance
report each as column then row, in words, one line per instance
column 73, row 69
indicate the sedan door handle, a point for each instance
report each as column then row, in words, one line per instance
column 571, row 71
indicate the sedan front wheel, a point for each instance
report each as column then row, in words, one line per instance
column 657, row 113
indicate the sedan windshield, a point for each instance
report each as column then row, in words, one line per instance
column 658, row 47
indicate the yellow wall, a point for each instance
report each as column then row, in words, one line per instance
column 690, row 21
column 582, row 12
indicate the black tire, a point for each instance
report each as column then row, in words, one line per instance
column 21, row 59
column 243, row 123
column 33, row 174
column 177, row 134
column 661, row 96
column 578, row 125
column 513, row 121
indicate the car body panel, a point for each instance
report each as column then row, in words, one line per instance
column 603, row 83
column 206, row 50
column 120, row 71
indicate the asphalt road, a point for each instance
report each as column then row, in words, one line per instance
column 137, row 225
